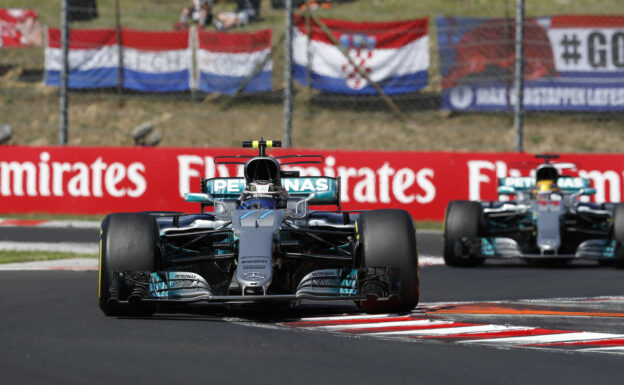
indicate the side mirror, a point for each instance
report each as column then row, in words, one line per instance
column 310, row 197
column 202, row 198
column 506, row 190
column 587, row 191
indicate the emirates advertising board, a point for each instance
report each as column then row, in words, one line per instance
column 99, row 180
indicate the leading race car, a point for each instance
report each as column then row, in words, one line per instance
column 546, row 221
column 261, row 243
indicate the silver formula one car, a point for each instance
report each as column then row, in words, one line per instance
column 262, row 243
column 545, row 221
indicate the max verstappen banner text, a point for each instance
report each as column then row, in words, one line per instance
column 92, row 180
column 572, row 63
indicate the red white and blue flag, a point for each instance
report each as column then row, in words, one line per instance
column 394, row 55
column 226, row 60
column 152, row 61
column 157, row 61
column 93, row 58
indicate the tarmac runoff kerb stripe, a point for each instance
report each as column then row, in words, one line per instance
column 349, row 321
column 346, row 317
column 443, row 331
column 512, row 331
column 407, row 327
column 532, row 340
column 366, row 327
column 501, row 310
column 602, row 342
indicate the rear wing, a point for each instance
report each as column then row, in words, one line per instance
column 326, row 190
column 567, row 184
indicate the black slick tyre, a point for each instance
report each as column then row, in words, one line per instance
column 463, row 220
column 387, row 238
column 618, row 234
column 128, row 242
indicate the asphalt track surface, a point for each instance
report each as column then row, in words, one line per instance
column 51, row 331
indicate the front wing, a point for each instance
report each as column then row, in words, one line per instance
column 376, row 284
column 502, row 247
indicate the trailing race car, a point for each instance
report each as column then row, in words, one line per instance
column 545, row 221
column 262, row 243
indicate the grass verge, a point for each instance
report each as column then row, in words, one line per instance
column 429, row 225
column 31, row 256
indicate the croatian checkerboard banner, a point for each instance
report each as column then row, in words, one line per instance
column 226, row 60
column 393, row 54
column 572, row 63
column 152, row 61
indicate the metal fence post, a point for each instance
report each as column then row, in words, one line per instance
column 519, row 69
column 64, row 72
column 120, row 53
column 288, row 80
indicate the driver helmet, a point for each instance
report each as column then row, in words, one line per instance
column 259, row 203
column 545, row 186
column 260, row 196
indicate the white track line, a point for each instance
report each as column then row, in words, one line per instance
column 610, row 349
column 546, row 338
column 63, row 247
column 64, row 264
column 346, row 317
column 68, row 224
column 428, row 231
column 428, row 260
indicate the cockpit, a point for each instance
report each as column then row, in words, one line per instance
column 263, row 188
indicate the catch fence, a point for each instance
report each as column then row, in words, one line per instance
column 367, row 73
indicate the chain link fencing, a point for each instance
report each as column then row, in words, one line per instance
column 201, row 87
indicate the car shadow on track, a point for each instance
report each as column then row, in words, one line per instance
column 279, row 312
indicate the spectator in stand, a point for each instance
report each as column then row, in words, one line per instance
column 246, row 12
column 316, row 4
column 198, row 12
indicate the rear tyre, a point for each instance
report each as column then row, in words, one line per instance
column 463, row 220
column 128, row 242
column 618, row 234
column 388, row 239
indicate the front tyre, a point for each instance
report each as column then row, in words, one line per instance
column 618, row 234
column 463, row 220
column 128, row 242
column 388, row 239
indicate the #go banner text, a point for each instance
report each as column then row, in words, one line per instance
column 571, row 63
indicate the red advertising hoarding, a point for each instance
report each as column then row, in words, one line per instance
column 95, row 180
